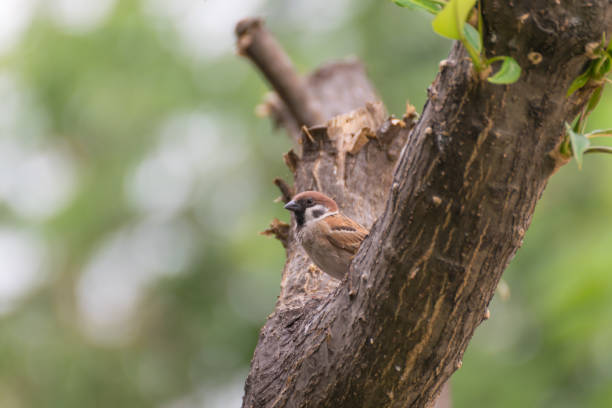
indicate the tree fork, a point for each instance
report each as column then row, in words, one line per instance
column 446, row 215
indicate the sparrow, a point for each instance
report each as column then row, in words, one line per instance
column 329, row 238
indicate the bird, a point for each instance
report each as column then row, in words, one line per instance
column 330, row 239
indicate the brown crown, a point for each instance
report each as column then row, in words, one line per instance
column 318, row 198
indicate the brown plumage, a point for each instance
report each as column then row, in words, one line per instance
column 329, row 238
column 345, row 233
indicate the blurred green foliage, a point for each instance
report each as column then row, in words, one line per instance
column 150, row 281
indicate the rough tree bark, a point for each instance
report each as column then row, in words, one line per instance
column 448, row 200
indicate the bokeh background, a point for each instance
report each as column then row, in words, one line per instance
column 135, row 177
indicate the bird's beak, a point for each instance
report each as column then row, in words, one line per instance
column 292, row 206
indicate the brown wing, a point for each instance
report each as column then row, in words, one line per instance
column 345, row 233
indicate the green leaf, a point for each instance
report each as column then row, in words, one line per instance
column 605, row 66
column 579, row 82
column 430, row 6
column 594, row 100
column 472, row 36
column 508, row 73
column 579, row 143
column 450, row 21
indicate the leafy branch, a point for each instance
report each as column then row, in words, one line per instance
column 450, row 22
column 580, row 143
column 577, row 142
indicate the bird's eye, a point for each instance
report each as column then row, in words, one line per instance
column 309, row 201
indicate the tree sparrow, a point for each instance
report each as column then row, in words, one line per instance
column 329, row 238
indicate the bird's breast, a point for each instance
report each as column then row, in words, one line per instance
column 322, row 253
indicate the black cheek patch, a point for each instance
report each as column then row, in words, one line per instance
column 317, row 213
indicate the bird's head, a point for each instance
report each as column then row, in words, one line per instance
column 310, row 205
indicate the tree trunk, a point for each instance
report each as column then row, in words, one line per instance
column 448, row 200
